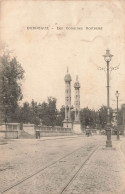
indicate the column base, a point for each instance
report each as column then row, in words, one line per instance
column 77, row 127
column 109, row 143
column 108, row 133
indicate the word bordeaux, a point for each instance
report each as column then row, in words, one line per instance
column 64, row 28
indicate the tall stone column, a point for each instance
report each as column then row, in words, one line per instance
column 77, row 99
column 67, row 123
column 76, row 124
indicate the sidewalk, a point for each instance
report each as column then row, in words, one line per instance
column 104, row 173
column 60, row 137
column 4, row 141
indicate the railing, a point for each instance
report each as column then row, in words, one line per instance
column 48, row 131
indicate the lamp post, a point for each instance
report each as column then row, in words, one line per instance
column 107, row 58
column 117, row 96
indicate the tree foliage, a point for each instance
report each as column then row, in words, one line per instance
column 12, row 74
column 94, row 118
column 45, row 113
column 88, row 117
column 60, row 116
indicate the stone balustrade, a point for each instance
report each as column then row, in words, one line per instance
column 10, row 130
column 48, row 131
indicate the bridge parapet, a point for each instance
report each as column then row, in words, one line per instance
column 49, row 131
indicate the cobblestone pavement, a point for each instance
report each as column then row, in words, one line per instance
column 102, row 173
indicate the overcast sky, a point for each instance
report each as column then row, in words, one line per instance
column 45, row 54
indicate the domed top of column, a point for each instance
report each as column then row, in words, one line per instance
column 67, row 77
column 77, row 84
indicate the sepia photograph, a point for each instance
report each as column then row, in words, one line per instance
column 62, row 96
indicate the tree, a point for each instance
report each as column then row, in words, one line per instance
column 52, row 111
column 34, row 113
column 87, row 117
column 103, row 115
column 12, row 74
column 47, row 112
column 25, row 113
column 60, row 116
column 121, row 115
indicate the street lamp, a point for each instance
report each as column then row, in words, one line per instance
column 117, row 96
column 107, row 58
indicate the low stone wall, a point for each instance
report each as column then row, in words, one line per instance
column 11, row 135
column 2, row 134
column 52, row 131
column 10, row 131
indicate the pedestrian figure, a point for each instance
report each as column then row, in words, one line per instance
column 88, row 131
column 37, row 134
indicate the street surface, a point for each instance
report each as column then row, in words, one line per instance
column 69, row 165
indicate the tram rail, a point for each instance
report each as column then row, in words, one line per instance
column 79, row 170
column 40, row 170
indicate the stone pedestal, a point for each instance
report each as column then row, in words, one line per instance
column 108, row 133
column 77, row 128
column 67, row 124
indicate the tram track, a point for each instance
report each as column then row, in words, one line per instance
column 42, row 169
column 78, row 171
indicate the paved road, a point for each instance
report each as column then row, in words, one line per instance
column 69, row 165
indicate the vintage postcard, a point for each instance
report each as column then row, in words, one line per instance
column 62, row 96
